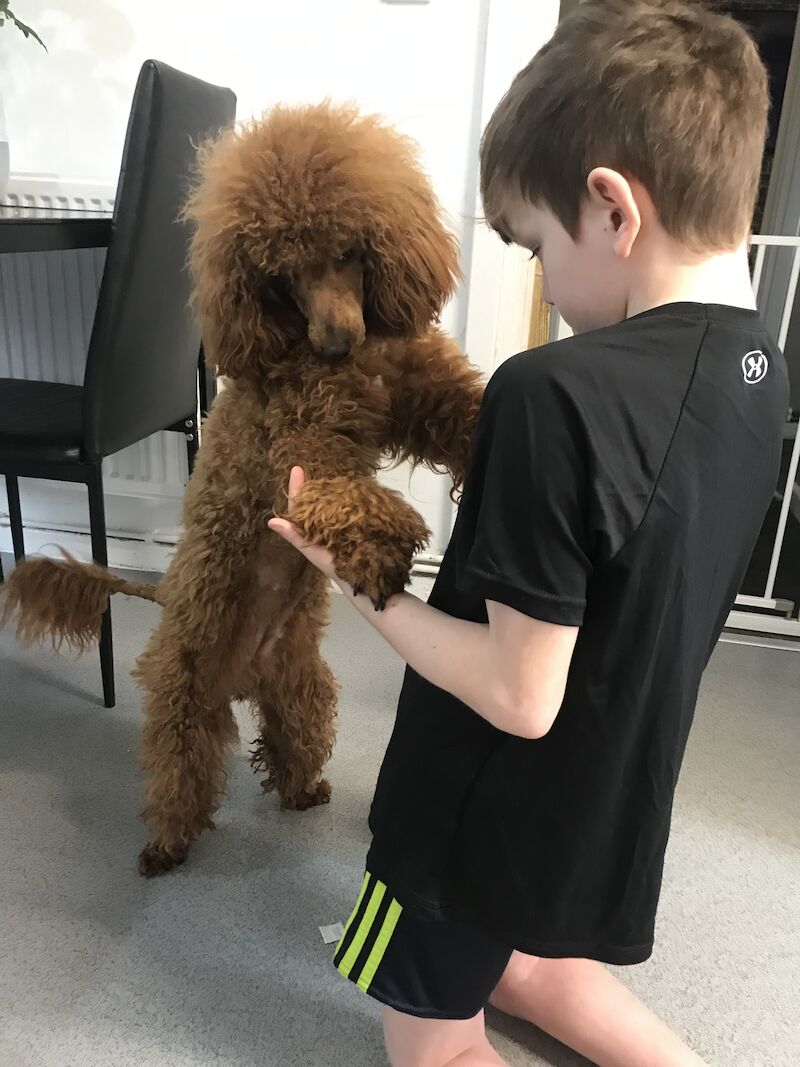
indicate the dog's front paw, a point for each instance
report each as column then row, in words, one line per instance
column 377, row 573
column 154, row 860
column 373, row 532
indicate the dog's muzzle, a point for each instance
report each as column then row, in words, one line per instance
column 336, row 352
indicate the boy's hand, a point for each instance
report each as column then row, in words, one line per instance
column 321, row 558
column 354, row 531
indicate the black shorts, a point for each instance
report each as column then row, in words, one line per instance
column 434, row 970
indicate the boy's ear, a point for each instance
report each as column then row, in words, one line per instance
column 612, row 196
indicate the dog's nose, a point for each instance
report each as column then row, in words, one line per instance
column 337, row 351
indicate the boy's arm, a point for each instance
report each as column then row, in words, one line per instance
column 512, row 672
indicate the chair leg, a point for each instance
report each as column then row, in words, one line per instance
column 97, row 520
column 207, row 384
column 192, row 446
column 15, row 515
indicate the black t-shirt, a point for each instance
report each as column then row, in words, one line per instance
column 618, row 483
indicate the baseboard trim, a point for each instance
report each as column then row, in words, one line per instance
column 129, row 552
column 126, row 553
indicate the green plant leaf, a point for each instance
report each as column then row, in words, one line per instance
column 26, row 31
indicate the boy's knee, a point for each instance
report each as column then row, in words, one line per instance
column 415, row 1042
column 516, row 978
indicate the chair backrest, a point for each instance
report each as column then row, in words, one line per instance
column 141, row 371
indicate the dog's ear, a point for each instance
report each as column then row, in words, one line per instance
column 244, row 324
column 412, row 264
column 242, row 315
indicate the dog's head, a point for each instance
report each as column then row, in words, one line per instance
column 314, row 222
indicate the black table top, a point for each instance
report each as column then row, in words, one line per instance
column 36, row 229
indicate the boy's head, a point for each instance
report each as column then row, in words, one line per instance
column 637, row 115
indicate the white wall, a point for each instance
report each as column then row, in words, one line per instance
column 421, row 65
column 416, row 63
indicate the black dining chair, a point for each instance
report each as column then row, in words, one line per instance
column 142, row 365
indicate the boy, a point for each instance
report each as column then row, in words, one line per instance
column 618, row 482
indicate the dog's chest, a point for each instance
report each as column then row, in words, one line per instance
column 351, row 403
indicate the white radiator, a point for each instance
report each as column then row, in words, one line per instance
column 29, row 190
column 47, row 305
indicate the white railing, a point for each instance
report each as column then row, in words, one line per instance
column 768, row 614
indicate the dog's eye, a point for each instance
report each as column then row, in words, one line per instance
column 348, row 256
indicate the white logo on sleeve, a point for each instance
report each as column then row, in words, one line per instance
column 755, row 366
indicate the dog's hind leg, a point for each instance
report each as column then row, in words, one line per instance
column 297, row 735
column 296, row 696
column 189, row 728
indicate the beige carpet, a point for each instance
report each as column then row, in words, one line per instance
column 222, row 963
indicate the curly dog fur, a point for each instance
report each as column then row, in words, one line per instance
column 321, row 263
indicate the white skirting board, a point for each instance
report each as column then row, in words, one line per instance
column 126, row 549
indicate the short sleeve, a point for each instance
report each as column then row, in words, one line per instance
column 527, row 497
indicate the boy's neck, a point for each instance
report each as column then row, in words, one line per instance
column 673, row 275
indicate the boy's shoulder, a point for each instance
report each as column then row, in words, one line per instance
column 593, row 366
column 650, row 357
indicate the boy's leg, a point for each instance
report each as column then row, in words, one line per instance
column 431, row 977
column 582, row 1005
column 413, row 1042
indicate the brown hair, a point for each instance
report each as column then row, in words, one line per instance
column 281, row 192
column 664, row 91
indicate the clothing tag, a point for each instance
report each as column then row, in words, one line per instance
column 331, row 933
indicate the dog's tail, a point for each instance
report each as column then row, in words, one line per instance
column 63, row 600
